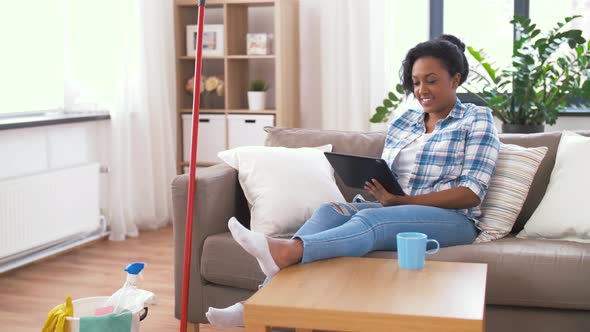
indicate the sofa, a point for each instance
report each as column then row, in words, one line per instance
column 532, row 285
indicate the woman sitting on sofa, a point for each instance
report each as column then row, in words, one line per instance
column 444, row 156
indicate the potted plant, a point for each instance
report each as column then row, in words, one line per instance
column 257, row 95
column 543, row 77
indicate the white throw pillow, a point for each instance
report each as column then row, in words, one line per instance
column 563, row 213
column 283, row 186
column 509, row 187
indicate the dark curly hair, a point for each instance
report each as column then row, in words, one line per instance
column 447, row 48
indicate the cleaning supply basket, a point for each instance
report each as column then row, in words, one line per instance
column 87, row 307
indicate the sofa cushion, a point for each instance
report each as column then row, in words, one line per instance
column 541, row 180
column 224, row 262
column 538, row 273
column 563, row 213
column 508, row 189
column 266, row 172
column 351, row 142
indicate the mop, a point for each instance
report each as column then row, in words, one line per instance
column 188, row 239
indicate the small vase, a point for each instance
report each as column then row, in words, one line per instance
column 210, row 100
column 206, row 101
column 256, row 100
column 522, row 129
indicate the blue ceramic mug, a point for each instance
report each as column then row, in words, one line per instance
column 411, row 248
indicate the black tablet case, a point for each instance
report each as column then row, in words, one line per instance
column 356, row 170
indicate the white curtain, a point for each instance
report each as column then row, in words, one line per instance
column 120, row 57
column 357, row 66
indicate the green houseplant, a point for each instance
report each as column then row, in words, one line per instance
column 258, row 85
column 257, row 95
column 541, row 79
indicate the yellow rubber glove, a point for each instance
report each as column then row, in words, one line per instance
column 56, row 318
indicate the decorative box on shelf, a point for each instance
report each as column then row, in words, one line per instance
column 259, row 43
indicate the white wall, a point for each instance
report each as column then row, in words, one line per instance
column 309, row 62
column 38, row 149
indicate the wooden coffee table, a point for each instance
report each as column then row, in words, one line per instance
column 372, row 295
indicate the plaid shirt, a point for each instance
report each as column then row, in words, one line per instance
column 461, row 152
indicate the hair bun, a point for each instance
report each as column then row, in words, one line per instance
column 454, row 40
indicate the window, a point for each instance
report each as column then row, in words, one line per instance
column 547, row 19
column 485, row 24
column 463, row 18
column 31, row 61
column 408, row 30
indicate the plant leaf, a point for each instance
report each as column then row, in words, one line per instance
column 393, row 97
column 399, row 88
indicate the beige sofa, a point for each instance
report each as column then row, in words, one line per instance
column 533, row 285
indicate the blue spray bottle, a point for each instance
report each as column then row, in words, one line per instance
column 126, row 297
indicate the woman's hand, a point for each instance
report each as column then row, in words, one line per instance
column 454, row 198
column 383, row 196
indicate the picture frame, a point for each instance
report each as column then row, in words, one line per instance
column 213, row 43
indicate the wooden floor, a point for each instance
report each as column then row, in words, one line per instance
column 28, row 293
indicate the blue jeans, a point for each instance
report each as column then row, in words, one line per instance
column 355, row 229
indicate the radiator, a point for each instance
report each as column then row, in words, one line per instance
column 43, row 209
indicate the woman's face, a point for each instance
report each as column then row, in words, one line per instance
column 434, row 88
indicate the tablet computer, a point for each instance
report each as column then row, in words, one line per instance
column 356, row 170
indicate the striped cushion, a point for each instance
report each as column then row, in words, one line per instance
column 509, row 187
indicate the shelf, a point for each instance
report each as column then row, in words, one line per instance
column 202, row 111
column 250, row 57
column 194, row 3
column 237, row 69
column 221, row 57
column 199, row 164
column 205, row 57
column 235, row 111
column 251, row 112
column 250, row 3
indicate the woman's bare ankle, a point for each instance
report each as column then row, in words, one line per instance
column 296, row 250
column 285, row 252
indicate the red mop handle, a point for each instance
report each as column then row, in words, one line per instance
column 188, row 239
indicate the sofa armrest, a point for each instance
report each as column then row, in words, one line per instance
column 218, row 197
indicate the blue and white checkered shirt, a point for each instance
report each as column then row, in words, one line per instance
column 461, row 152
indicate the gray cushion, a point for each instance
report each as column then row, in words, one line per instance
column 351, row 142
column 551, row 274
column 224, row 262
